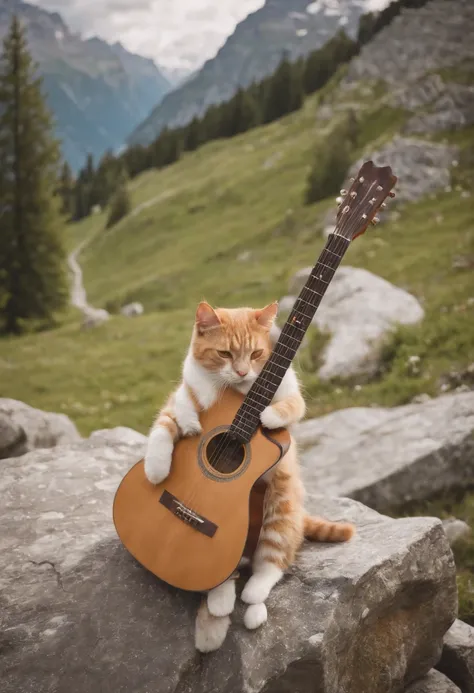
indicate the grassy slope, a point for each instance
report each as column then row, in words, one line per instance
column 208, row 209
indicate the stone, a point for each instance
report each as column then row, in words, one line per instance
column 23, row 428
column 457, row 660
column 79, row 614
column 388, row 457
column 433, row 682
column 422, row 167
column 456, row 529
column 358, row 311
column 119, row 435
column 132, row 309
column 93, row 317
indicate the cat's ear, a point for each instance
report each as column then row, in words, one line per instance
column 206, row 317
column 266, row 316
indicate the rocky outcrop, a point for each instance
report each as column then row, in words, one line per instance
column 132, row 309
column 445, row 39
column 422, row 167
column 433, row 682
column 386, row 457
column 456, row 530
column 23, row 428
column 457, row 660
column 359, row 309
column 80, row 615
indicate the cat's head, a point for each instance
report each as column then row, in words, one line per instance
column 233, row 344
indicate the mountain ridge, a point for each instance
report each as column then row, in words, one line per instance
column 97, row 91
column 251, row 53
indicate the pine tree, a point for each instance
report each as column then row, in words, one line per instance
column 284, row 92
column 32, row 262
column 192, row 135
column 329, row 168
column 243, row 112
column 66, row 191
column 120, row 204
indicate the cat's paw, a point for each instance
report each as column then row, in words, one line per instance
column 190, row 427
column 270, row 418
column 255, row 616
column 260, row 584
column 221, row 600
column 158, row 455
column 210, row 631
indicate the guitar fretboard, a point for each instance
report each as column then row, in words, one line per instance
column 264, row 388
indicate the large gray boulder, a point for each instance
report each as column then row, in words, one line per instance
column 433, row 682
column 457, row 660
column 23, row 428
column 359, row 309
column 79, row 615
column 385, row 457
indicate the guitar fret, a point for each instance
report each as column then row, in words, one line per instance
column 266, row 385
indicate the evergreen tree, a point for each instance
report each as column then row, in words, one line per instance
column 243, row 112
column 32, row 262
column 120, row 204
column 192, row 135
column 66, row 191
column 285, row 91
column 329, row 168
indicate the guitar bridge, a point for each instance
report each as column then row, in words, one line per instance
column 187, row 515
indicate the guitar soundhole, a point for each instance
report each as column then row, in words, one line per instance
column 224, row 453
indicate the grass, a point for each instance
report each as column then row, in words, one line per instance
column 227, row 223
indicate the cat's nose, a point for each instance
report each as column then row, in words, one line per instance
column 242, row 373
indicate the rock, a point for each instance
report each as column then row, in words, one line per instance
column 387, row 457
column 120, row 435
column 23, row 428
column 400, row 53
column 457, row 660
column 80, row 615
column 244, row 256
column 422, row 167
column 358, row 310
column 132, row 309
column 433, row 682
column 456, row 529
column 94, row 317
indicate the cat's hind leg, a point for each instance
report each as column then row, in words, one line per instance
column 210, row 631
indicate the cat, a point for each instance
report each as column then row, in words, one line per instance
column 229, row 348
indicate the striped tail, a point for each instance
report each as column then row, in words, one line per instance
column 317, row 529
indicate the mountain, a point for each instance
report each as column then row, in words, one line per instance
column 98, row 92
column 252, row 52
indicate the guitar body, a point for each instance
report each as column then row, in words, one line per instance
column 191, row 530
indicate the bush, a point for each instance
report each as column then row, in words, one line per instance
column 119, row 205
column 327, row 172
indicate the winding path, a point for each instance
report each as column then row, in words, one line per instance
column 92, row 316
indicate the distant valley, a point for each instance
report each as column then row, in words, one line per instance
column 98, row 92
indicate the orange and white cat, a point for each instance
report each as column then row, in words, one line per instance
column 229, row 348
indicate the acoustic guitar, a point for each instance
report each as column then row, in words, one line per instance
column 191, row 529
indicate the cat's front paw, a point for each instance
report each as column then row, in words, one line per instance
column 270, row 418
column 158, row 455
column 192, row 427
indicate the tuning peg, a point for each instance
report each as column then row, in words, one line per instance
column 392, row 194
column 352, row 179
column 343, row 192
column 375, row 221
column 353, row 194
column 339, row 200
column 383, row 205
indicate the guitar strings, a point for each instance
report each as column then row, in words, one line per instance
column 305, row 293
column 228, row 440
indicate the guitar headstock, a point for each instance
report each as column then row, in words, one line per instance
column 359, row 205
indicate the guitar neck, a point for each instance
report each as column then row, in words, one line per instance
column 264, row 388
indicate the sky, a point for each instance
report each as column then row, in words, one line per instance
column 178, row 34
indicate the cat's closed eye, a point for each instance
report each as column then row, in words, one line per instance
column 256, row 354
column 225, row 354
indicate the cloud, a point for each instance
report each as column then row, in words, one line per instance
column 178, row 34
